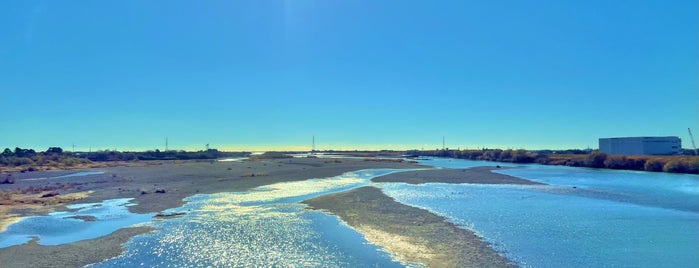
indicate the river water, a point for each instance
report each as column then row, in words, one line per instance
column 581, row 218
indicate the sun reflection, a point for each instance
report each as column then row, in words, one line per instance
column 264, row 227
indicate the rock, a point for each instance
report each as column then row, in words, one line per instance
column 50, row 194
column 168, row 215
column 160, row 191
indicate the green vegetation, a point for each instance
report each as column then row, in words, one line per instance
column 159, row 155
column 30, row 160
column 576, row 158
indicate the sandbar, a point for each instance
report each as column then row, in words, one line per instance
column 76, row 254
column 476, row 175
column 412, row 234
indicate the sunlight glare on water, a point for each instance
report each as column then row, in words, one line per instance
column 582, row 218
column 264, row 227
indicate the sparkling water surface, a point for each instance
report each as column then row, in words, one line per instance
column 582, row 218
column 264, row 227
column 61, row 227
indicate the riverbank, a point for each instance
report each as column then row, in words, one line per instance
column 154, row 188
column 76, row 254
column 413, row 234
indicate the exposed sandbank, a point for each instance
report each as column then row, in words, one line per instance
column 413, row 234
column 76, row 254
column 479, row 175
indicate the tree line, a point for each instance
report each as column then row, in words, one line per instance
column 57, row 157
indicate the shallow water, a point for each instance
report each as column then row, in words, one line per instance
column 582, row 218
column 79, row 174
column 610, row 218
column 59, row 228
column 265, row 227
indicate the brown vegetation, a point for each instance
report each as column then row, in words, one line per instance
column 595, row 159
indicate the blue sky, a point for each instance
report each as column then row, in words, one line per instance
column 260, row 75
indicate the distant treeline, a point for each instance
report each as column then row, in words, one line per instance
column 158, row 155
column 55, row 156
column 575, row 158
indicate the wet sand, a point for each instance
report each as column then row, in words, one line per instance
column 154, row 187
column 177, row 179
column 413, row 234
column 76, row 254
column 480, row 175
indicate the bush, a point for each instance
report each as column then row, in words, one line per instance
column 615, row 162
column 653, row 165
column 693, row 167
column 635, row 164
column 505, row 156
column 596, row 160
column 19, row 161
column 521, row 156
column 674, row 166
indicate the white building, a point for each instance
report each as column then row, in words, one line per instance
column 641, row 145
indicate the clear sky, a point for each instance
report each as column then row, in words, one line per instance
column 365, row 74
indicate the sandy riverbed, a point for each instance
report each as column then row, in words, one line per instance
column 413, row 234
column 154, row 188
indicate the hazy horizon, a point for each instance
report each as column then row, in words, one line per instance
column 263, row 75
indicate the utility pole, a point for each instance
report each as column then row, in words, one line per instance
column 692, row 138
column 166, row 144
column 73, row 151
column 443, row 146
column 313, row 145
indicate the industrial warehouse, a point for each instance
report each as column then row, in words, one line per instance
column 670, row 145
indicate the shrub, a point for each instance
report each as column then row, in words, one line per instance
column 693, row 166
column 19, row 161
column 595, row 160
column 636, row 164
column 674, row 166
column 505, row 156
column 653, row 165
column 615, row 162
column 521, row 156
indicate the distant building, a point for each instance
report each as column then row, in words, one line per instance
column 641, row 145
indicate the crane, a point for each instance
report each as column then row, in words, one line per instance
column 692, row 138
